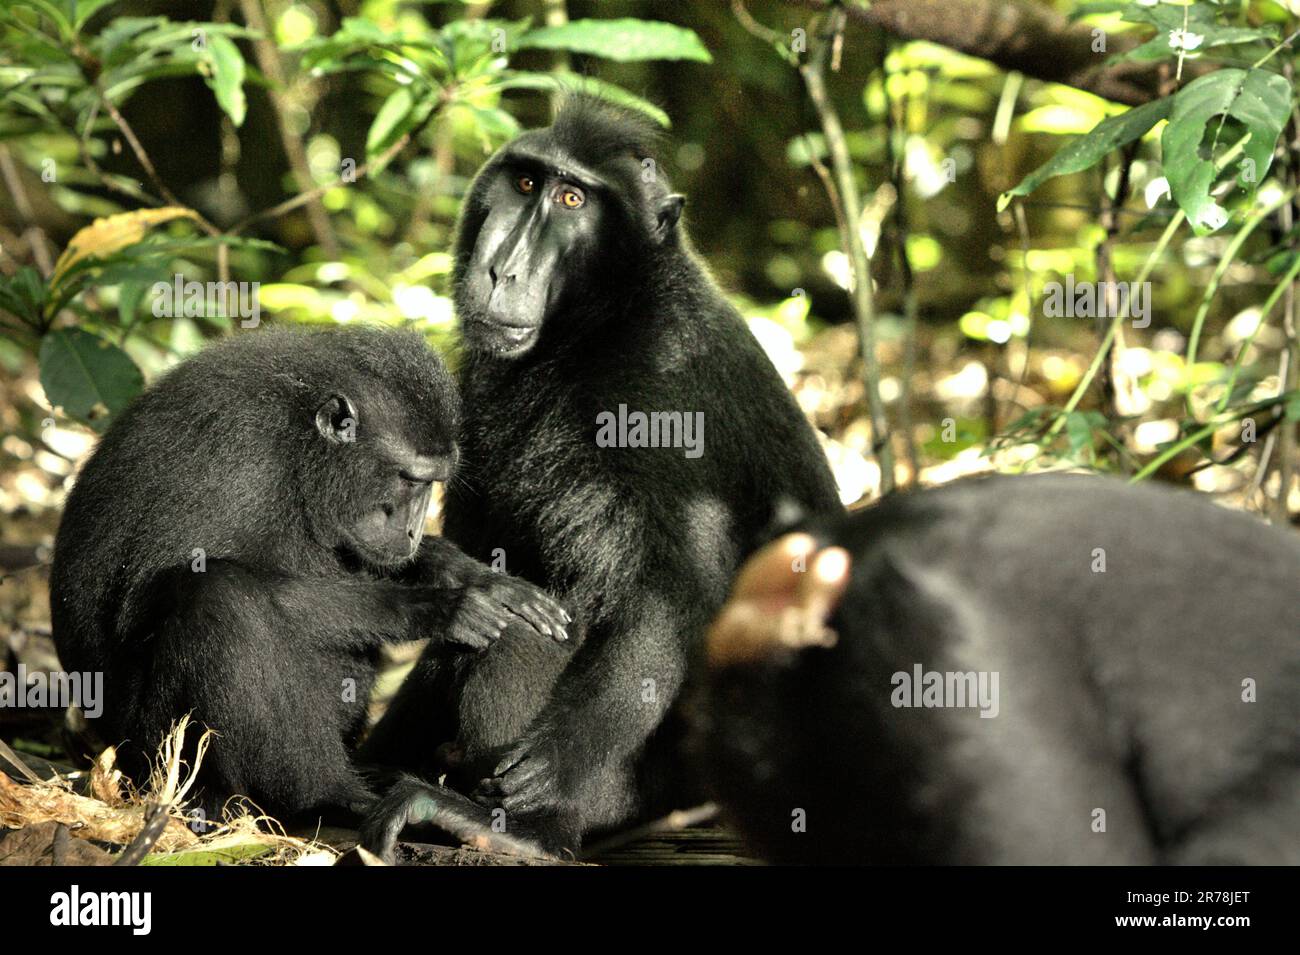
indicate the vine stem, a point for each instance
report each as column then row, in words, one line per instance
column 1202, row 433
column 1275, row 51
column 1225, row 261
column 1269, row 304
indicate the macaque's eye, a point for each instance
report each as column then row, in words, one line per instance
column 572, row 198
column 525, row 185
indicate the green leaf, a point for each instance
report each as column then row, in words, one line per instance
column 85, row 9
column 395, row 109
column 361, row 30
column 88, row 377
column 54, row 14
column 1198, row 19
column 114, row 45
column 173, row 36
column 402, row 112
column 226, row 855
column 1203, row 35
column 111, row 234
column 493, row 125
column 227, row 79
column 23, row 295
column 129, row 295
column 471, row 46
column 1259, row 100
column 1078, row 430
column 622, row 40
column 1090, row 8
column 1088, row 149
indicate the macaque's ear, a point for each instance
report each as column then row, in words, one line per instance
column 336, row 420
column 666, row 216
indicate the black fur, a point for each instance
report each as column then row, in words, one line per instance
column 640, row 542
column 299, row 465
column 1118, row 690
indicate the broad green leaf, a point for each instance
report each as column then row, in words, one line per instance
column 227, row 79
column 1196, row 26
column 623, row 40
column 1087, row 150
column 1259, row 100
column 1170, row 16
column 1160, row 46
column 89, row 378
column 1199, row 20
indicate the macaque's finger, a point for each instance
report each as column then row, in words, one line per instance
column 773, row 571
column 782, row 598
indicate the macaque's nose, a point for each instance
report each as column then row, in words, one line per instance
column 498, row 278
column 425, row 470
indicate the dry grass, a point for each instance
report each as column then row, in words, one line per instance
column 113, row 811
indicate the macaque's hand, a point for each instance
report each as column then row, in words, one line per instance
column 780, row 602
column 530, row 603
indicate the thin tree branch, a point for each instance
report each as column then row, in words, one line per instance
column 1289, row 364
column 314, row 194
column 863, row 298
column 901, row 231
column 1016, row 35
column 268, row 59
column 35, row 235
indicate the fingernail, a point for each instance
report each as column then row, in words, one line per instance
column 832, row 565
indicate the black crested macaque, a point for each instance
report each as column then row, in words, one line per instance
column 1042, row 670
column 625, row 439
column 244, row 539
